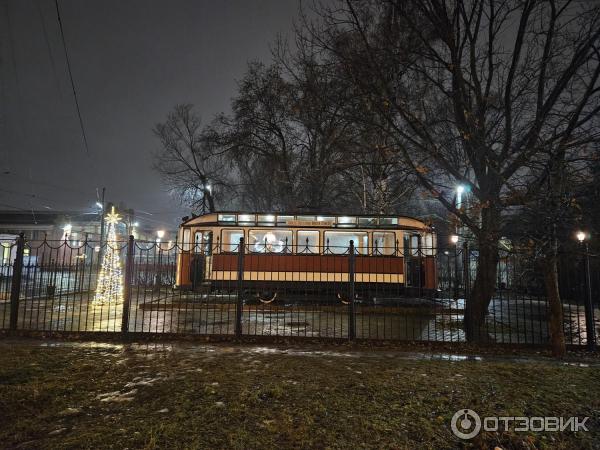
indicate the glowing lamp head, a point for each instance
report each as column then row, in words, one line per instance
column 454, row 239
column 580, row 236
column 460, row 189
column 160, row 234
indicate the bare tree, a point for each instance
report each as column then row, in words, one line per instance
column 473, row 92
column 191, row 164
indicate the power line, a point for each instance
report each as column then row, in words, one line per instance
column 39, row 9
column 62, row 35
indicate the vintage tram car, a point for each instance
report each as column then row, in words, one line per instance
column 293, row 251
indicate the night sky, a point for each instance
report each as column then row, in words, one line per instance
column 132, row 61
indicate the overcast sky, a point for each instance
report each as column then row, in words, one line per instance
column 132, row 61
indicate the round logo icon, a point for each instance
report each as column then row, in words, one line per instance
column 466, row 424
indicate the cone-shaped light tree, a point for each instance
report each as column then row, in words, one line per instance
column 110, row 280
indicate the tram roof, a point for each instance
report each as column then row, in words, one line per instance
column 322, row 220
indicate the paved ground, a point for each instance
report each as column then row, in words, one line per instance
column 94, row 395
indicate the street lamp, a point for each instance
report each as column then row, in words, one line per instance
column 454, row 240
column 589, row 305
column 160, row 234
column 460, row 189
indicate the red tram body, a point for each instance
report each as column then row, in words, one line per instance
column 286, row 250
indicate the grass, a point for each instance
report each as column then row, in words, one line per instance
column 222, row 396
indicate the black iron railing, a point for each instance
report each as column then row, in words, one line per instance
column 343, row 292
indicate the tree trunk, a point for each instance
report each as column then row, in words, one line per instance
column 555, row 319
column 485, row 279
column 482, row 292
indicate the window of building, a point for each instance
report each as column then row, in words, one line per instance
column 230, row 240
column 338, row 241
column 308, row 241
column 270, row 241
column 384, row 243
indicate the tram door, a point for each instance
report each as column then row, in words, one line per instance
column 413, row 257
column 201, row 259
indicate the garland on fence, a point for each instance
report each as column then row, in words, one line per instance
column 110, row 280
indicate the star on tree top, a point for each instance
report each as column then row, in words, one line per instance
column 113, row 217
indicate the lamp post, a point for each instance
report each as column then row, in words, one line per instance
column 159, row 235
column 454, row 240
column 589, row 306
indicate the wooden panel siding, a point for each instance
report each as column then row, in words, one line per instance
column 310, row 263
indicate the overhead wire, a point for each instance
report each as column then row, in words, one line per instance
column 62, row 36
column 48, row 47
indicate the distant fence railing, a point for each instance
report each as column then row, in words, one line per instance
column 340, row 292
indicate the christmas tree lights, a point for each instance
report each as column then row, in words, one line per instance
column 110, row 280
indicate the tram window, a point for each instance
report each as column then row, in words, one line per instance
column 186, row 240
column 308, row 241
column 411, row 245
column 203, row 242
column 326, row 219
column 388, row 221
column 306, row 218
column 428, row 245
column 346, row 221
column 227, row 218
column 246, row 219
column 367, row 221
column 384, row 243
column 339, row 241
column 230, row 240
column 270, row 241
column 266, row 219
column 283, row 220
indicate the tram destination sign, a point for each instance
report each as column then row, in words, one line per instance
column 309, row 223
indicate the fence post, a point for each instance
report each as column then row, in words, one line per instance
column 127, row 290
column 15, row 287
column 589, row 305
column 351, row 311
column 240, row 289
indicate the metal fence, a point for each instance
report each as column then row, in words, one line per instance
column 330, row 292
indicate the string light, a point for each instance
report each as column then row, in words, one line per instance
column 110, row 280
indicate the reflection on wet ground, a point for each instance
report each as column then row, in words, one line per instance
column 159, row 350
column 441, row 320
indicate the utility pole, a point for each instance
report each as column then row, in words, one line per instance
column 101, row 226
